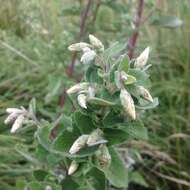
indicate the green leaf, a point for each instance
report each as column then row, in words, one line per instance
column 144, row 105
column 35, row 186
column 92, row 75
column 69, row 184
column 96, row 179
column 130, row 80
column 134, row 130
column 32, row 106
column 137, row 178
column 112, row 118
column 64, row 141
column 116, row 173
column 99, row 101
column 115, row 136
column 84, row 123
column 168, row 21
column 112, row 51
column 141, row 76
column 40, row 175
column 124, row 63
column 20, row 183
column 43, row 136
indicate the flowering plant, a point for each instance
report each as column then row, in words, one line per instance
column 107, row 106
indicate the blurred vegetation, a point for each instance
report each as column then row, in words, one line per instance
column 34, row 36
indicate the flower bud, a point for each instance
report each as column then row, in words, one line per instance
column 96, row 42
column 77, row 88
column 86, row 49
column 127, row 103
column 103, row 158
column 94, row 137
column 78, row 144
column 11, row 118
column 124, row 75
column 17, row 124
column 48, row 187
column 78, row 46
column 130, row 162
column 145, row 94
column 82, row 100
column 88, row 57
column 14, row 110
column 73, row 167
column 143, row 58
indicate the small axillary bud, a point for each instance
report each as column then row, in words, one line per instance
column 78, row 46
column 145, row 94
column 78, row 144
column 143, row 58
column 73, row 167
column 127, row 103
column 77, row 88
column 82, row 99
column 96, row 42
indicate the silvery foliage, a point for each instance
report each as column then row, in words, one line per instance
column 108, row 104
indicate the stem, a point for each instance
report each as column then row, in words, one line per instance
column 70, row 68
column 84, row 15
column 137, row 23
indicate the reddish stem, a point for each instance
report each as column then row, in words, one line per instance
column 137, row 23
column 70, row 68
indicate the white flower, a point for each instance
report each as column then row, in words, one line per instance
column 96, row 42
column 82, row 100
column 145, row 94
column 17, row 117
column 77, row 88
column 88, row 56
column 78, row 46
column 73, row 167
column 18, row 123
column 127, row 103
column 78, row 144
column 143, row 58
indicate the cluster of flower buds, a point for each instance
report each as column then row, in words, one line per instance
column 73, row 167
column 126, row 99
column 89, row 50
column 17, row 117
column 95, row 138
column 84, row 91
column 142, row 59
